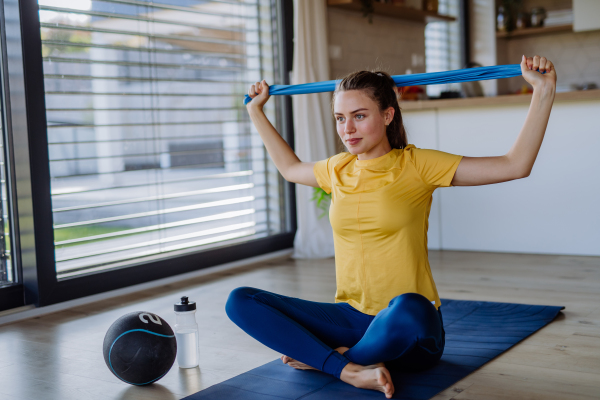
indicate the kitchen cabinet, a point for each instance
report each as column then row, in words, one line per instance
column 392, row 11
column 553, row 211
column 586, row 15
column 544, row 30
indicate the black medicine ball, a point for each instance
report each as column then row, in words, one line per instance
column 140, row 348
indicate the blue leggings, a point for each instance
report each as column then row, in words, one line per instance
column 408, row 334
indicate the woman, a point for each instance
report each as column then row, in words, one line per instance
column 387, row 309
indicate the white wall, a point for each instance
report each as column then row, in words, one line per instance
column 388, row 43
column 556, row 210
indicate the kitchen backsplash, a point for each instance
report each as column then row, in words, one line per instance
column 397, row 45
column 576, row 56
column 387, row 44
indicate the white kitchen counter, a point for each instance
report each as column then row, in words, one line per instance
column 508, row 99
column 556, row 210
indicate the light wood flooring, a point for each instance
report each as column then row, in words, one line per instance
column 59, row 356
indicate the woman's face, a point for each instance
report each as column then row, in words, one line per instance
column 360, row 124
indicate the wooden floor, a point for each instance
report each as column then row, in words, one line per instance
column 59, row 356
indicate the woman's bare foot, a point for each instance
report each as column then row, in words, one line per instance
column 295, row 363
column 375, row 377
column 300, row 365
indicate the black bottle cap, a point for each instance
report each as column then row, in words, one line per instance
column 185, row 305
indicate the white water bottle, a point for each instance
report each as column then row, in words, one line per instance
column 186, row 333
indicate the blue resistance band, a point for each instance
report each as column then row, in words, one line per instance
column 429, row 78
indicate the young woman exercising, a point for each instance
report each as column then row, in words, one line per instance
column 387, row 310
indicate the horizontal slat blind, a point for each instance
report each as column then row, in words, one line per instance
column 151, row 150
column 443, row 45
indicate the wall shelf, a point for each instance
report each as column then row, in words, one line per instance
column 392, row 11
column 535, row 31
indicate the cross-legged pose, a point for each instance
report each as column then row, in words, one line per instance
column 387, row 310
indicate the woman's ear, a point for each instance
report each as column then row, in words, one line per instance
column 389, row 115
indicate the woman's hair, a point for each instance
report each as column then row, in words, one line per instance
column 379, row 86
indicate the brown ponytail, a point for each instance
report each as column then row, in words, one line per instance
column 379, row 86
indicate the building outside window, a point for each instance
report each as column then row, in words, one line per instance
column 8, row 274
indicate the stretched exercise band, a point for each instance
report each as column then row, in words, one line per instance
column 429, row 78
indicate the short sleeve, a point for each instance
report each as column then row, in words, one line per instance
column 437, row 168
column 323, row 171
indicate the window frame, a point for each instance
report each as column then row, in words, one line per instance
column 13, row 118
column 40, row 285
column 463, row 37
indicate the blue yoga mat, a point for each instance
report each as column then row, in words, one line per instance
column 476, row 332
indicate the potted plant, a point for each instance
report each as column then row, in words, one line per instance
column 323, row 200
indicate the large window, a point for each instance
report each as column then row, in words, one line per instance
column 152, row 153
column 8, row 274
column 443, row 45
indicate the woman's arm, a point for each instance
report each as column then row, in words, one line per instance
column 286, row 161
column 518, row 162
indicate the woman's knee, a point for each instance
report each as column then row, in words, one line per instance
column 237, row 299
column 411, row 300
column 416, row 310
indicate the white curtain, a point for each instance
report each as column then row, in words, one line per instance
column 314, row 130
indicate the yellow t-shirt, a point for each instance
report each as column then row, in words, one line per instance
column 379, row 214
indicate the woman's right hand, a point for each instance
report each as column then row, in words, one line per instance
column 286, row 161
column 259, row 93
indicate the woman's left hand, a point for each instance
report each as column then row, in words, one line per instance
column 529, row 67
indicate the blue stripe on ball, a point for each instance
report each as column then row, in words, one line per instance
column 125, row 333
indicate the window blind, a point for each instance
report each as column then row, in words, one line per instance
column 151, row 150
column 443, row 46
